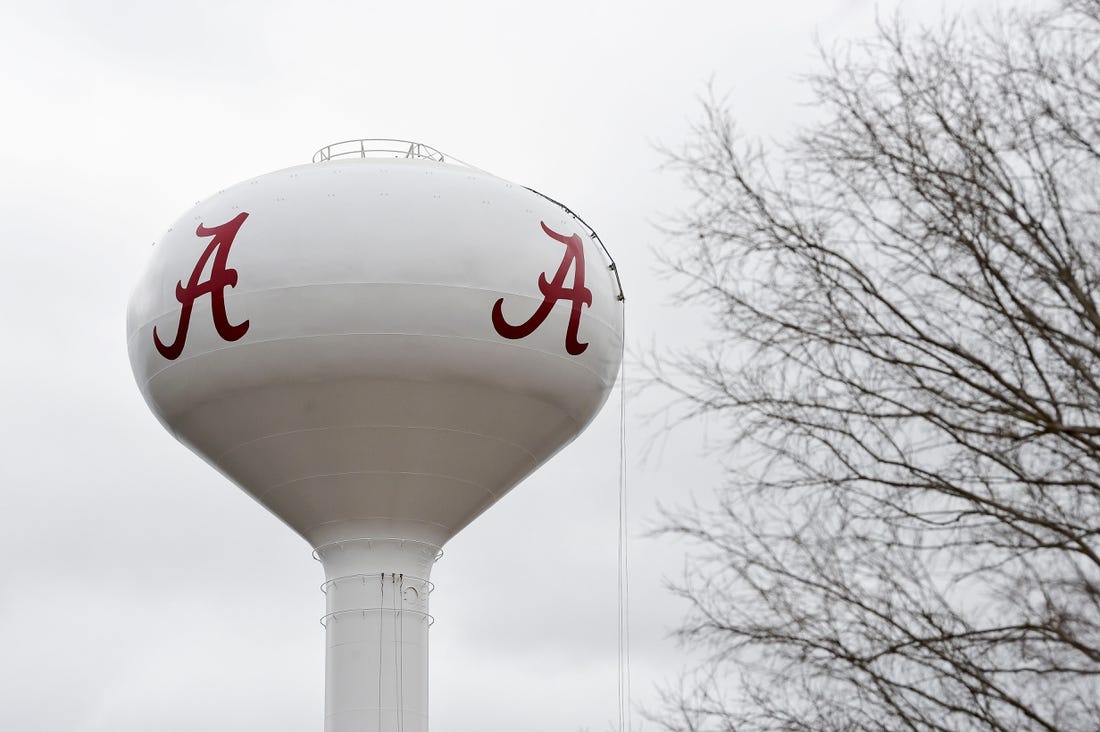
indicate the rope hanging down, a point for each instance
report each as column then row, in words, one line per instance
column 624, row 555
column 623, row 533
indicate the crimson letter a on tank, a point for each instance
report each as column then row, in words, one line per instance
column 221, row 277
column 553, row 291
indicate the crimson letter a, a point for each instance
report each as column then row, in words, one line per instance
column 552, row 291
column 220, row 278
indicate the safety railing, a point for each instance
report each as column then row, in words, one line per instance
column 379, row 147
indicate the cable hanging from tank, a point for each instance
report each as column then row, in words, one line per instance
column 623, row 531
column 624, row 554
column 623, row 569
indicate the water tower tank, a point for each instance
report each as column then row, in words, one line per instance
column 376, row 347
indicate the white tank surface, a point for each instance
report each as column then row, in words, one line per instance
column 376, row 346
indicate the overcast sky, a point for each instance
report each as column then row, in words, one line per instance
column 139, row 590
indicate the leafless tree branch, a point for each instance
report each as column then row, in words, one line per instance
column 905, row 302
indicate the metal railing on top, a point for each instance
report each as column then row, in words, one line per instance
column 379, row 147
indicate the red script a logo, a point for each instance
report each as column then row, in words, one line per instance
column 220, row 278
column 578, row 294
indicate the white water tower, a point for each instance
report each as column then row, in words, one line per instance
column 376, row 347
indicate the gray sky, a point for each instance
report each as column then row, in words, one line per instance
column 139, row 590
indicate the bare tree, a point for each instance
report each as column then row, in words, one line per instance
column 907, row 360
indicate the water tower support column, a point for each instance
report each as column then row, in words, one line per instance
column 376, row 634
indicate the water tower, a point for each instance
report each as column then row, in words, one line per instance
column 376, row 347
